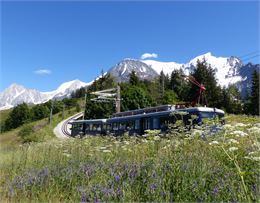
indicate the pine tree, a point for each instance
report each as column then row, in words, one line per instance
column 205, row 75
column 133, row 78
column 179, row 85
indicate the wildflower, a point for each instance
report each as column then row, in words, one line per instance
column 117, row 178
column 106, row 151
column 232, row 149
column 239, row 133
column 126, row 142
column 214, row 143
column 228, row 126
column 156, row 138
column 102, row 148
column 252, row 153
column 233, row 141
column 67, row 154
column 256, row 158
column 197, row 132
column 257, row 125
column 254, row 130
column 240, row 125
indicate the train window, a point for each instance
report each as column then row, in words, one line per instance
column 122, row 126
column 130, row 125
column 77, row 126
column 137, row 124
column 155, row 123
column 115, row 126
column 87, row 126
column 164, row 121
column 98, row 127
column 146, row 123
column 94, row 127
column 108, row 127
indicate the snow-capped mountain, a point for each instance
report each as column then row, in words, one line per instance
column 122, row 70
column 17, row 94
column 227, row 68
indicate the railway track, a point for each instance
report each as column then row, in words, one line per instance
column 64, row 127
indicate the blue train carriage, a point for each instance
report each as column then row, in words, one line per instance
column 88, row 127
column 137, row 121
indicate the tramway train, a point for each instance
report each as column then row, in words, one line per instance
column 137, row 121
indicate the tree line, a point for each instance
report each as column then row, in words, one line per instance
column 22, row 113
column 172, row 89
column 136, row 94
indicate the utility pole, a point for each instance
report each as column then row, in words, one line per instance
column 118, row 99
column 63, row 112
column 51, row 112
column 85, row 99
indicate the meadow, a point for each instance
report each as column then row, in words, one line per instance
column 204, row 164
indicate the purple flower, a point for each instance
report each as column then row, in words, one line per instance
column 215, row 190
column 117, row 178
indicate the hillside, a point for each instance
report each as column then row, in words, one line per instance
column 148, row 168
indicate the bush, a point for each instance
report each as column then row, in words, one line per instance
column 27, row 134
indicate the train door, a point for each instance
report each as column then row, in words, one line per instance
column 144, row 125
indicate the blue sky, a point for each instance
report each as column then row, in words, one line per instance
column 47, row 43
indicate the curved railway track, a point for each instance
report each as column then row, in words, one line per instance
column 64, row 127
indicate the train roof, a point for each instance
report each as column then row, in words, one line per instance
column 160, row 113
column 192, row 110
column 89, row 121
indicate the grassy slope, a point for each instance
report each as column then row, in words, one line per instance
column 173, row 168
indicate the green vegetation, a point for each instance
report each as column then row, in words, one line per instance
column 193, row 166
column 207, row 163
column 173, row 89
column 24, row 114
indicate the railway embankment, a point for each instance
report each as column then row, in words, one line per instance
column 62, row 130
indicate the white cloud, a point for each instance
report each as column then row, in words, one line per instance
column 43, row 72
column 149, row 55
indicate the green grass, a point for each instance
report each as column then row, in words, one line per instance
column 220, row 167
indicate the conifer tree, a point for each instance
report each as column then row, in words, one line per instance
column 133, row 78
column 205, row 75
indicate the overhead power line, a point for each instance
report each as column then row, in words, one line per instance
column 248, row 54
column 248, row 58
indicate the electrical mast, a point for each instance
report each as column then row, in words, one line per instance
column 108, row 95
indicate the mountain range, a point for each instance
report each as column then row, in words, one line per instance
column 229, row 70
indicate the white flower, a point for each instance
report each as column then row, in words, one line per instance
column 239, row 133
column 102, row 148
column 233, row 141
column 256, row 158
column 67, row 155
column 197, row 132
column 214, row 143
column 254, row 130
column 106, row 151
column 156, row 138
column 126, row 142
column 240, row 125
column 231, row 149
column 228, row 126
column 252, row 153
column 257, row 125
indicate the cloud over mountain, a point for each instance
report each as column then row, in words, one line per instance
column 149, row 55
